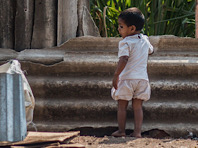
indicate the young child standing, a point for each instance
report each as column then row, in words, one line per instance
column 130, row 81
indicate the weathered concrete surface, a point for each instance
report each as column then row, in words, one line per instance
column 72, row 84
column 178, row 44
column 91, row 87
column 44, row 28
column 67, row 20
column 166, row 43
column 23, row 24
column 7, row 23
column 45, row 57
column 90, row 43
column 7, row 54
column 104, row 64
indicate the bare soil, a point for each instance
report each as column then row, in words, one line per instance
column 130, row 142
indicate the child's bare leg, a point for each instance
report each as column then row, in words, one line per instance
column 138, row 117
column 121, row 117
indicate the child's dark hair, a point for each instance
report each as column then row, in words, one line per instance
column 133, row 16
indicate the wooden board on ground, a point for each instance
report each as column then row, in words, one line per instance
column 68, row 146
column 43, row 137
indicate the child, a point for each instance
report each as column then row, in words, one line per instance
column 130, row 81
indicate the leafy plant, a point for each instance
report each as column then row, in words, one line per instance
column 175, row 17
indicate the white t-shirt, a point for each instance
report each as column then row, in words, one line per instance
column 137, row 47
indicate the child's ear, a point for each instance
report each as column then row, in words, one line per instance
column 133, row 28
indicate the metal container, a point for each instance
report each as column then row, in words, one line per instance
column 12, row 108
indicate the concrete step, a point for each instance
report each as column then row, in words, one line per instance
column 74, row 63
column 174, row 129
column 93, row 110
column 72, row 83
column 174, row 53
column 173, row 66
column 164, row 44
column 160, row 43
column 89, row 87
column 100, row 64
column 168, row 43
column 50, row 62
column 177, row 89
column 70, row 86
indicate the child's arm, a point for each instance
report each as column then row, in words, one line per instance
column 121, row 65
column 151, row 53
column 151, row 50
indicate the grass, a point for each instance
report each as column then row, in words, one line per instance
column 163, row 17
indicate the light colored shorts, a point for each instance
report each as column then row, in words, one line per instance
column 132, row 89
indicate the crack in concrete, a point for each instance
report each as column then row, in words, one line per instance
column 52, row 63
column 47, row 63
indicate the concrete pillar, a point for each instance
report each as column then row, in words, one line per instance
column 196, row 19
column 67, row 20
column 44, row 25
column 23, row 24
column 7, row 23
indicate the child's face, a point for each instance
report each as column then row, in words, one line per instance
column 124, row 30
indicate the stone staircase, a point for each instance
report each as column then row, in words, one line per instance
column 72, row 84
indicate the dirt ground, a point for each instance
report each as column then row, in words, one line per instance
column 130, row 142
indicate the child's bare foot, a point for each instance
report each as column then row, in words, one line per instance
column 118, row 134
column 135, row 135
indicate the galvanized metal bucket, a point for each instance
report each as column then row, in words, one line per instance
column 12, row 108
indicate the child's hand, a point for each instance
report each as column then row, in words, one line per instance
column 121, row 65
column 115, row 81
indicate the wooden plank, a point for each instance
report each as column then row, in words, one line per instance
column 81, row 4
column 41, row 145
column 44, row 28
column 23, row 24
column 43, row 137
column 196, row 19
column 52, row 145
column 6, row 24
column 88, row 25
column 68, row 146
column 67, row 20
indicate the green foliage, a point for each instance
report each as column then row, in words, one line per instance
column 175, row 17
